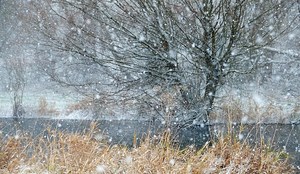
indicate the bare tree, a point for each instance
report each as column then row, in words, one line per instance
column 14, row 67
column 172, row 55
column 16, row 75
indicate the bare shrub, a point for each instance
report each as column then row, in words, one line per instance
column 45, row 108
column 247, row 110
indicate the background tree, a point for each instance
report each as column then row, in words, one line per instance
column 16, row 69
column 13, row 67
column 171, row 55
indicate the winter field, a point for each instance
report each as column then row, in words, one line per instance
column 24, row 154
column 55, row 103
column 190, row 66
column 251, row 105
column 86, row 153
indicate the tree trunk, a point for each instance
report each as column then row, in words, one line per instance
column 18, row 110
column 212, row 82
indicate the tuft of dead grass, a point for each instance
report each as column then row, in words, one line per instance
column 76, row 153
column 44, row 108
column 229, row 155
column 234, row 109
column 12, row 152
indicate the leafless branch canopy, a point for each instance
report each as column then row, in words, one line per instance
column 132, row 48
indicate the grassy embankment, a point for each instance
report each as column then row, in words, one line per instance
column 84, row 153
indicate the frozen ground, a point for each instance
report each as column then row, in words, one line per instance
column 55, row 100
column 256, row 103
column 250, row 103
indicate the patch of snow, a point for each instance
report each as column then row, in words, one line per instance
column 241, row 136
column 259, row 100
column 291, row 53
column 128, row 160
column 244, row 119
column 101, row 169
column 172, row 54
column 291, row 36
column 259, row 40
column 77, row 115
column 172, row 162
column 202, row 125
column 100, row 137
column 88, row 21
column 142, row 38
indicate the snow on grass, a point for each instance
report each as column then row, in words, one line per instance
column 82, row 154
column 101, row 169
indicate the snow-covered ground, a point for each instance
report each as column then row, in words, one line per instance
column 259, row 103
column 32, row 101
column 250, row 103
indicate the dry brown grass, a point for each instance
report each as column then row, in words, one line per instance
column 82, row 153
column 45, row 108
column 232, row 109
column 83, row 104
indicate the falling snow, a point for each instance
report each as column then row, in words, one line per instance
column 173, row 66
